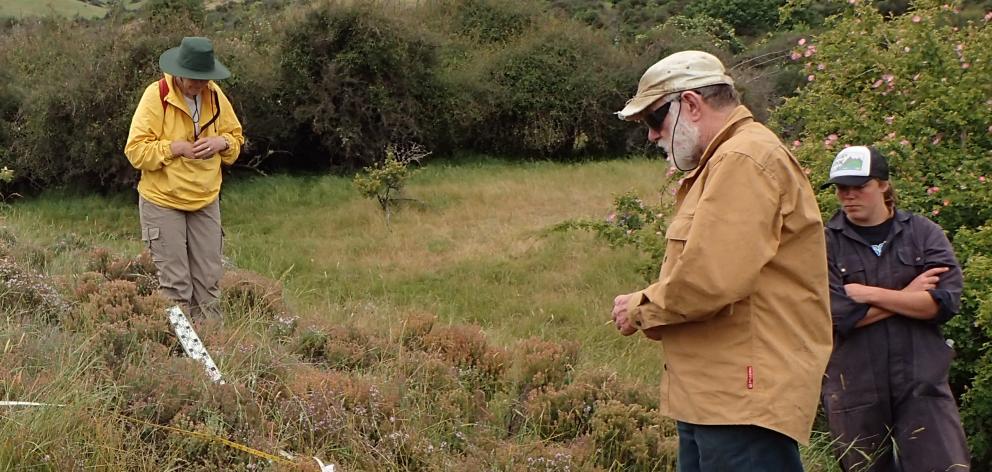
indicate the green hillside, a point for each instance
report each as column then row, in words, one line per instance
column 69, row 8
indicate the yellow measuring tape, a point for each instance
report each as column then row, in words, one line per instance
column 208, row 437
column 214, row 438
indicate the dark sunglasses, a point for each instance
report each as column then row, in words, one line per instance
column 655, row 118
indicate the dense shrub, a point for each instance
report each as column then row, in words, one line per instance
column 530, row 100
column 494, row 21
column 916, row 86
column 85, row 80
column 355, row 79
column 9, row 103
column 747, row 17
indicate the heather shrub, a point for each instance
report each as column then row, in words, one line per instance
column 637, row 438
column 348, row 347
column 534, row 457
column 415, row 328
column 328, row 408
column 309, row 345
column 424, row 372
column 436, row 396
column 479, row 364
column 112, row 302
column 566, row 413
column 252, row 295
column 538, row 363
column 262, row 370
column 158, row 395
column 139, row 270
column 68, row 243
column 25, row 294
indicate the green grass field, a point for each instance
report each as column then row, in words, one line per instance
column 68, row 8
column 478, row 251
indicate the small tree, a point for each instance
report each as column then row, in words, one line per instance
column 384, row 181
column 6, row 176
column 631, row 222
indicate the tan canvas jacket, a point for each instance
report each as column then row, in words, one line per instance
column 742, row 303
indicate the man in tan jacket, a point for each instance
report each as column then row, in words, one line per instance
column 742, row 304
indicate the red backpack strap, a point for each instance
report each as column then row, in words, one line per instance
column 163, row 91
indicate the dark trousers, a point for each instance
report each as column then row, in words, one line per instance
column 736, row 448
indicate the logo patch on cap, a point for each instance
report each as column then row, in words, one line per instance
column 854, row 162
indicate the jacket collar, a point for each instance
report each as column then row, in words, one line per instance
column 739, row 117
column 175, row 97
column 839, row 223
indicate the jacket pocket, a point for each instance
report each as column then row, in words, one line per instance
column 677, row 234
column 852, row 270
column 679, row 228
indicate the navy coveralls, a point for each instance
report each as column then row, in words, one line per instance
column 885, row 391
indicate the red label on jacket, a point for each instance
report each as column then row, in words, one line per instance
column 750, row 377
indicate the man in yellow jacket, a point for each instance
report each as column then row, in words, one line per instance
column 182, row 131
column 742, row 304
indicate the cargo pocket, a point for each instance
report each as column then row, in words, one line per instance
column 150, row 236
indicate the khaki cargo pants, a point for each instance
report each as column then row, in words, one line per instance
column 187, row 247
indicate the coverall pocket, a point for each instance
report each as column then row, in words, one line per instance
column 911, row 264
column 850, row 380
column 852, row 270
column 932, row 363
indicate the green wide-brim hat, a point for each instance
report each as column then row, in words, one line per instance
column 193, row 59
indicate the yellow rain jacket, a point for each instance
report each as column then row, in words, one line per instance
column 174, row 181
column 742, row 304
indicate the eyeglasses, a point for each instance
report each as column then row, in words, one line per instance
column 655, row 118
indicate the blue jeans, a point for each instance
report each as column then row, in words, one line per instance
column 736, row 448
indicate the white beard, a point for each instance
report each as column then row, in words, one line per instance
column 686, row 138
